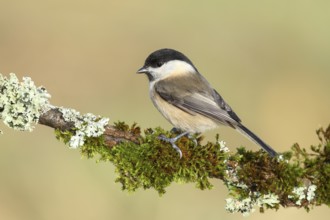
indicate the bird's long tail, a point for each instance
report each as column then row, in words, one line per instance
column 250, row 135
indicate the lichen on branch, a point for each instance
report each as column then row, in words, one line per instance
column 296, row 178
column 21, row 103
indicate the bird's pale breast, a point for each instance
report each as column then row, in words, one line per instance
column 191, row 122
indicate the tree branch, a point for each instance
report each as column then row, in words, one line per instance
column 112, row 136
column 297, row 178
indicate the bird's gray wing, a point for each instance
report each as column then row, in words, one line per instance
column 221, row 102
column 193, row 94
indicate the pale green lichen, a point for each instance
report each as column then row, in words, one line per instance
column 85, row 126
column 280, row 158
column 247, row 205
column 311, row 192
column 298, row 192
column 21, row 103
column 253, row 178
column 268, row 199
column 244, row 206
column 303, row 193
column 244, row 200
column 223, row 146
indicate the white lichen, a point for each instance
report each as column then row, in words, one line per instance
column 268, row 199
column 232, row 179
column 231, row 175
column 87, row 125
column 246, row 206
column 21, row 103
column 280, row 158
column 302, row 193
column 77, row 140
column 223, row 146
column 311, row 192
column 299, row 193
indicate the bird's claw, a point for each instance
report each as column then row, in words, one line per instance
column 172, row 142
column 191, row 137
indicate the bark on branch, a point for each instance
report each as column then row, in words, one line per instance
column 296, row 178
column 54, row 118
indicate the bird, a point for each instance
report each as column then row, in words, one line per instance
column 187, row 100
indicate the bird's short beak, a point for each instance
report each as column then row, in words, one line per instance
column 142, row 70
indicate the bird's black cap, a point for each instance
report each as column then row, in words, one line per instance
column 159, row 57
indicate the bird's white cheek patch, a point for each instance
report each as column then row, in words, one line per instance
column 177, row 67
column 171, row 68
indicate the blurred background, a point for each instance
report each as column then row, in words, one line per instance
column 268, row 59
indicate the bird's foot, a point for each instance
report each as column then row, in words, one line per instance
column 176, row 130
column 173, row 140
column 193, row 138
column 189, row 135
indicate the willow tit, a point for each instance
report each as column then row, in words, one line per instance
column 187, row 100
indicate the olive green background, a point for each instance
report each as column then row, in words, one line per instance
column 268, row 59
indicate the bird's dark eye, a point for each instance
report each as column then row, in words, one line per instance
column 159, row 64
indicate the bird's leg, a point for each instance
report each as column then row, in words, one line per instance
column 189, row 135
column 176, row 130
column 173, row 140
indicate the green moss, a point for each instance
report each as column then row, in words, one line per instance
column 64, row 136
column 317, row 166
column 155, row 164
column 122, row 126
